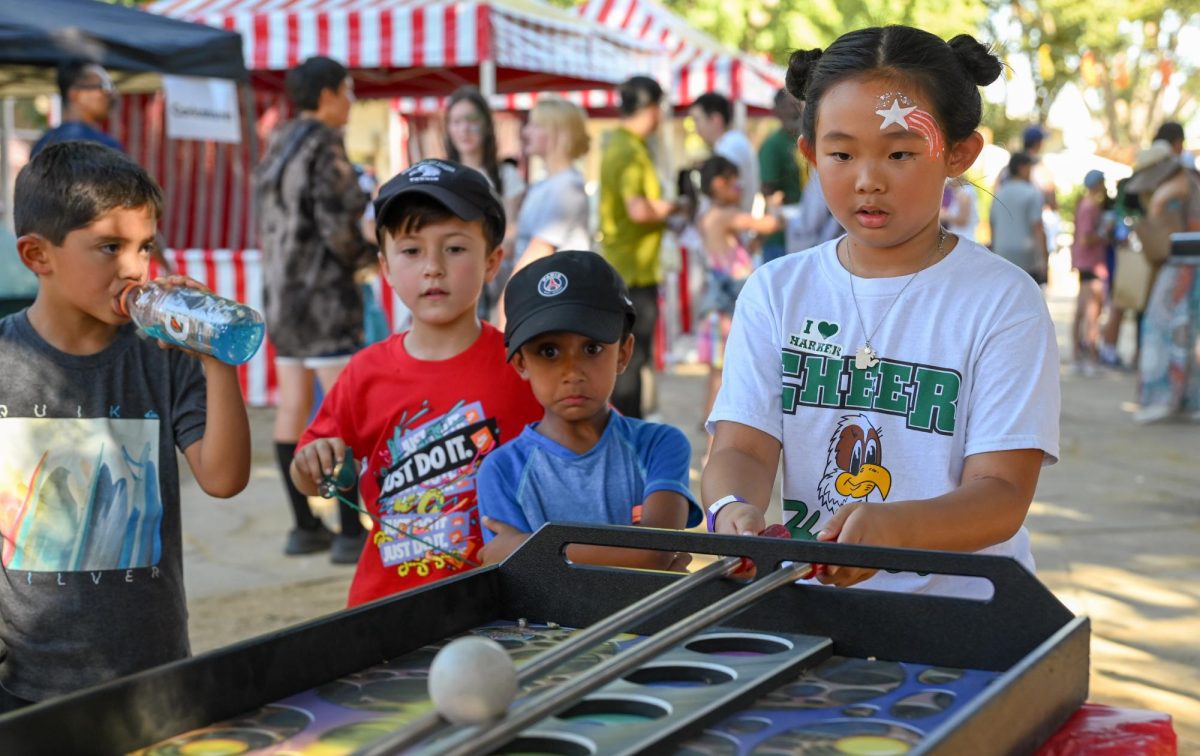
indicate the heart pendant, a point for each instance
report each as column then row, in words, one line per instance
column 865, row 358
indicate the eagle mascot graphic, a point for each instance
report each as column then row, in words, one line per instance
column 854, row 464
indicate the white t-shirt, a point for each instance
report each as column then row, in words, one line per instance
column 555, row 210
column 736, row 148
column 968, row 364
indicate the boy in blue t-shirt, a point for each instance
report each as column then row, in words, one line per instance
column 569, row 333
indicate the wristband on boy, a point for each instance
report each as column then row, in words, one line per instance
column 715, row 508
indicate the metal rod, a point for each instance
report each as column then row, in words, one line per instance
column 482, row 739
column 620, row 621
column 421, row 728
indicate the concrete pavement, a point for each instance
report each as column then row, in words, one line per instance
column 1116, row 534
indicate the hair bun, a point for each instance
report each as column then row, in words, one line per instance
column 976, row 59
column 800, row 66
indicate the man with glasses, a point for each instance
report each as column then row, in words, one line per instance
column 87, row 96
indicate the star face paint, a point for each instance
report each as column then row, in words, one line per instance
column 897, row 108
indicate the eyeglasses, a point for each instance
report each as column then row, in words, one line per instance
column 103, row 86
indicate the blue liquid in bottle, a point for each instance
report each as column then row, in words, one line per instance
column 197, row 320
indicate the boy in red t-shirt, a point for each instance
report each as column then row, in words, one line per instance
column 421, row 409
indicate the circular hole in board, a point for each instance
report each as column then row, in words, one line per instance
column 611, row 710
column 680, row 675
column 738, row 644
column 537, row 744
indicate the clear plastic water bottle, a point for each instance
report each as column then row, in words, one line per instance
column 195, row 319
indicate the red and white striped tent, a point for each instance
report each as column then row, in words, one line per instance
column 391, row 47
column 416, row 47
column 699, row 64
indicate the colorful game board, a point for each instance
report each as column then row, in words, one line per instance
column 842, row 705
column 356, row 710
column 845, row 706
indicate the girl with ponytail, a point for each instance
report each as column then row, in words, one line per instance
column 908, row 377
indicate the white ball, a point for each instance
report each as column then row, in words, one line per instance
column 472, row 680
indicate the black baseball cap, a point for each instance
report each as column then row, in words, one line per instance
column 464, row 191
column 577, row 292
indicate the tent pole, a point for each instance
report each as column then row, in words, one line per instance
column 487, row 78
column 7, row 125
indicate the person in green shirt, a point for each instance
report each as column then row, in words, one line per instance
column 778, row 168
column 633, row 215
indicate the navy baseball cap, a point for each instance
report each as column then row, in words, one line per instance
column 464, row 191
column 577, row 292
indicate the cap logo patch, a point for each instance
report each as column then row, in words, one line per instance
column 428, row 170
column 552, row 284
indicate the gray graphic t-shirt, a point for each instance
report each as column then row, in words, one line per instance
column 91, row 575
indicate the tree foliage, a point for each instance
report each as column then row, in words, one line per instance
column 1124, row 55
column 777, row 27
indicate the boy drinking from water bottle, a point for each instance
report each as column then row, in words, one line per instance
column 420, row 410
column 90, row 417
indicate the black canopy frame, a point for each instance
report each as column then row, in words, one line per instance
column 36, row 36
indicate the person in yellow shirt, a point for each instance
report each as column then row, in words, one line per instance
column 632, row 218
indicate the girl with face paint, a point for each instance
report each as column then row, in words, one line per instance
column 908, row 378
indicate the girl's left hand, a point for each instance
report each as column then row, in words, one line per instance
column 862, row 524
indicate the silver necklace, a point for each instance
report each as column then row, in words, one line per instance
column 866, row 357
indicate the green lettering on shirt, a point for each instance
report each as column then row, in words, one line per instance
column 892, row 378
column 802, row 525
column 935, row 400
column 927, row 396
column 822, row 377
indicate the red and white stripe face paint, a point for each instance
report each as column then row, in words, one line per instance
column 897, row 108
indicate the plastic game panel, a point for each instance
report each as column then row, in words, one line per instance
column 357, row 709
column 845, row 706
column 708, row 670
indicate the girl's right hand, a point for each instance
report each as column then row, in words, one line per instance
column 740, row 518
column 320, row 458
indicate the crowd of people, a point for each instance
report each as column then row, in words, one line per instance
column 903, row 375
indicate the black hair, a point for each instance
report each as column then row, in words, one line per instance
column 1170, row 131
column 70, row 73
column 714, row 168
column 305, row 83
column 491, row 164
column 639, row 92
column 782, row 96
column 415, row 212
column 948, row 73
column 1017, row 161
column 714, row 102
column 68, row 185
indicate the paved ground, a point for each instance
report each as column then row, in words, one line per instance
column 1116, row 534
